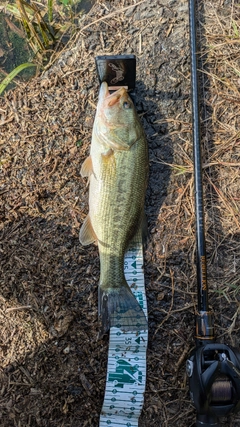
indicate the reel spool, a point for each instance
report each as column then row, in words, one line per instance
column 222, row 391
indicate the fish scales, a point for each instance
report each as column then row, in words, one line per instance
column 117, row 171
column 119, row 216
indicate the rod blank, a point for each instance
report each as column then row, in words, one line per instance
column 196, row 131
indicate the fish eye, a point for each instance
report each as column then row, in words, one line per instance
column 126, row 105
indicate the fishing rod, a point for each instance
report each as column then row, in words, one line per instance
column 213, row 369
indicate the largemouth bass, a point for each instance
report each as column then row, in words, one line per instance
column 117, row 169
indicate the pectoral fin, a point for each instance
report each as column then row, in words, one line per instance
column 87, row 167
column 87, row 234
column 108, row 154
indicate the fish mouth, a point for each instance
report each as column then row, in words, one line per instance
column 112, row 98
column 115, row 97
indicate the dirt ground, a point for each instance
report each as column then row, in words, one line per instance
column 52, row 367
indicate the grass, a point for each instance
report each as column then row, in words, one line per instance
column 13, row 74
column 46, row 26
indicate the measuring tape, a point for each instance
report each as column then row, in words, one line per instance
column 126, row 370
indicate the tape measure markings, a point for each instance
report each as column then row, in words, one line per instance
column 126, row 370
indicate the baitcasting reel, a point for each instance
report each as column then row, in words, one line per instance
column 214, row 382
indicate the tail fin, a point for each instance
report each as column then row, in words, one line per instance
column 118, row 307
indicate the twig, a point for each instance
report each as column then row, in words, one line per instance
column 112, row 14
column 22, row 307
